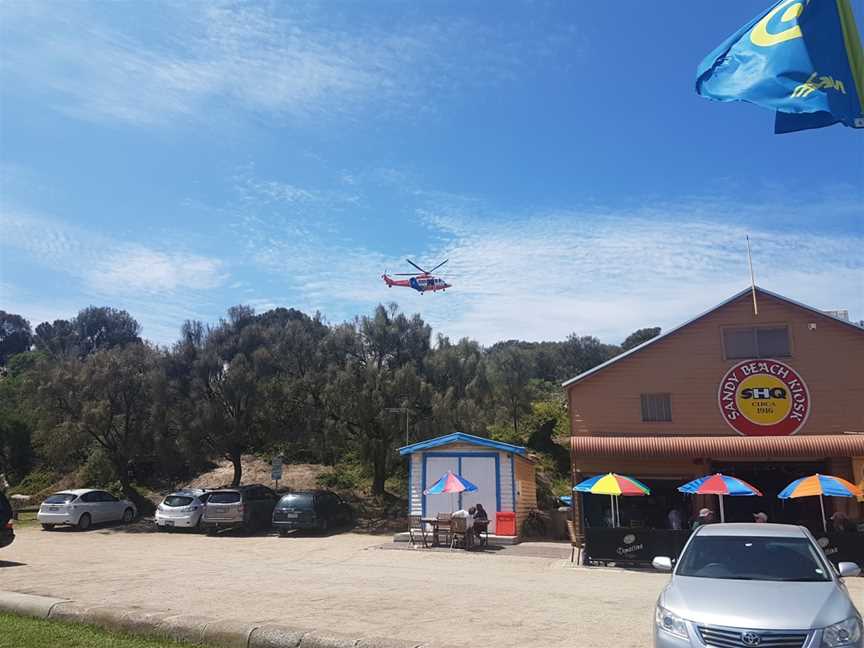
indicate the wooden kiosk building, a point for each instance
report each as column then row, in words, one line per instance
column 766, row 397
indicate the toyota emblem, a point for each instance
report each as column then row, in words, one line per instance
column 751, row 639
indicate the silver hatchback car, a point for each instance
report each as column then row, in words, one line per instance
column 755, row 585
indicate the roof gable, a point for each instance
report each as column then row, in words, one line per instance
column 461, row 437
column 722, row 304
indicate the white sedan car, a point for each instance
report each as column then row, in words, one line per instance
column 181, row 509
column 82, row 507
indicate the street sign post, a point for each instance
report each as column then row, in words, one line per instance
column 276, row 470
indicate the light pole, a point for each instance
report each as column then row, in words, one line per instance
column 399, row 410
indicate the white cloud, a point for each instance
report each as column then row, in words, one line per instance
column 160, row 286
column 108, row 266
column 542, row 275
column 187, row 61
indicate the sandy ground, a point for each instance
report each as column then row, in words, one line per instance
column 346, row 582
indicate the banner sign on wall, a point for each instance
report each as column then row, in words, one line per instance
column 764, row 398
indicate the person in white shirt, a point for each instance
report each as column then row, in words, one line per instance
column 469, row 524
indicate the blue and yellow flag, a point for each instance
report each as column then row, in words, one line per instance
column 801, row 58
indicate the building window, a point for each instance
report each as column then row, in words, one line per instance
column 656, row 407
column 756, row 342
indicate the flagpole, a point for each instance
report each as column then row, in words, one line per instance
column 752, row 277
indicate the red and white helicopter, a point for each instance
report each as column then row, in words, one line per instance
column 422, row 282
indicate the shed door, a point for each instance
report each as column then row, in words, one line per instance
column 435, row 469
column 480, row 471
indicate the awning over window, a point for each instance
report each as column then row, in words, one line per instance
column 732, row 447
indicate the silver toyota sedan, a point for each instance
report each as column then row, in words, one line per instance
column 749, row 585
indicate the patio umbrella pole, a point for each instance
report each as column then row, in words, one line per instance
column 722, row 510
column 822, row 505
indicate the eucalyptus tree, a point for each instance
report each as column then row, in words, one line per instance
column 228, row 368
column 104, row 399
column 378, row 367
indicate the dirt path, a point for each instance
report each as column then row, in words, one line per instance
column 344, row 582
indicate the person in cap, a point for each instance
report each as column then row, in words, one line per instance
column 760, row 517
column 706, row 516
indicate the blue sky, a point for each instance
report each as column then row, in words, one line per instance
column 174, row 159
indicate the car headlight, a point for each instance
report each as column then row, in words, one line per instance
column 671, row 623
column 845, row 633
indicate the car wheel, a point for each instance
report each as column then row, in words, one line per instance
column 48, row 527
column 128, row 514
column 83, row 522
column 283, row 533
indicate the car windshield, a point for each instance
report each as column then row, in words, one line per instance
column 753, row 558
column 60, row 498
column 228, row 497
column 177, row 500
column 297, row 501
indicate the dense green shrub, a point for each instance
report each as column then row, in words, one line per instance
column 97, row 470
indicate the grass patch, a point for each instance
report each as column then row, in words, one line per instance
column 26, row 632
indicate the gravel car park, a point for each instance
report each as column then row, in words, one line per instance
column 82, row 508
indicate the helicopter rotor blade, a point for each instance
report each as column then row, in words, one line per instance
column 439, row 265
column 417, row 266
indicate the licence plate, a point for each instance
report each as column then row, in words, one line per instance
column 292, row 516
column 169, row 522
column 53, row 508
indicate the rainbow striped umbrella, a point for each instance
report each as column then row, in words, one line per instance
column 613, row 485
column 821, row 485
column 722, row 485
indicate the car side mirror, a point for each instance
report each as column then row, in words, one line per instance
column 848, row 569
column 662, row 563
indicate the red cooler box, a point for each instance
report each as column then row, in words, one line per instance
column 505, row 523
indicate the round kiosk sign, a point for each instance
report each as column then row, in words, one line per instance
column 764, row 398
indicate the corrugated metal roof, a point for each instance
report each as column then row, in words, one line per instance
column 461, row 437
column 733, row 447
column 733, row 298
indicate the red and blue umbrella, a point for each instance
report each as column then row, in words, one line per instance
column 821, row 485
column 722, row 485
column 450, row 482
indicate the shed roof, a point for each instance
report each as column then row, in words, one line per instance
column 461, row 437
column 732, row 299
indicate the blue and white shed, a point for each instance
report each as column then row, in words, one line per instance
column 503, row 473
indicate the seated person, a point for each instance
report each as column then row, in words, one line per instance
column 481, row 519
column 469, row 523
